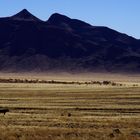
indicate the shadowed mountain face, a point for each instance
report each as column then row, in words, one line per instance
column 64, row 44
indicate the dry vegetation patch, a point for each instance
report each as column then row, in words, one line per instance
column 69, row 112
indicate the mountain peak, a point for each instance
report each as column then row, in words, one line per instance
column 59, row 19
column 25, row 15
column 56, row 18
column 25, row 11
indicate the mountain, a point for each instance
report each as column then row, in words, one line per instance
column 63, row 44
column 24, row 15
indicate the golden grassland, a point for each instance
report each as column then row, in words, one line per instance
column 69, row 112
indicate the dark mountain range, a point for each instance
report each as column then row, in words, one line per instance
column 64, row 44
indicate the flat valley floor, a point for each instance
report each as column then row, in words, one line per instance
column 70, row 112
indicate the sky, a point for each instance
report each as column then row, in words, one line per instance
column 121, row 15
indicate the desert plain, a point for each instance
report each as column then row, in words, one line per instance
column 55, row 111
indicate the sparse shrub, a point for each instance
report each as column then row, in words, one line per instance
column 116, row 131
column 106, row 82
column 62, row 114
column 69, row 114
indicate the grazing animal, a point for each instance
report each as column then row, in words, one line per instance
column 4, row 111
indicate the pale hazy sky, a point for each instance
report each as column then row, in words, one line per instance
column 121, row 15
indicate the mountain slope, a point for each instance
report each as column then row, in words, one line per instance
column 64, row 44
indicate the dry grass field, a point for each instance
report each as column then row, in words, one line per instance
column 69, row 112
